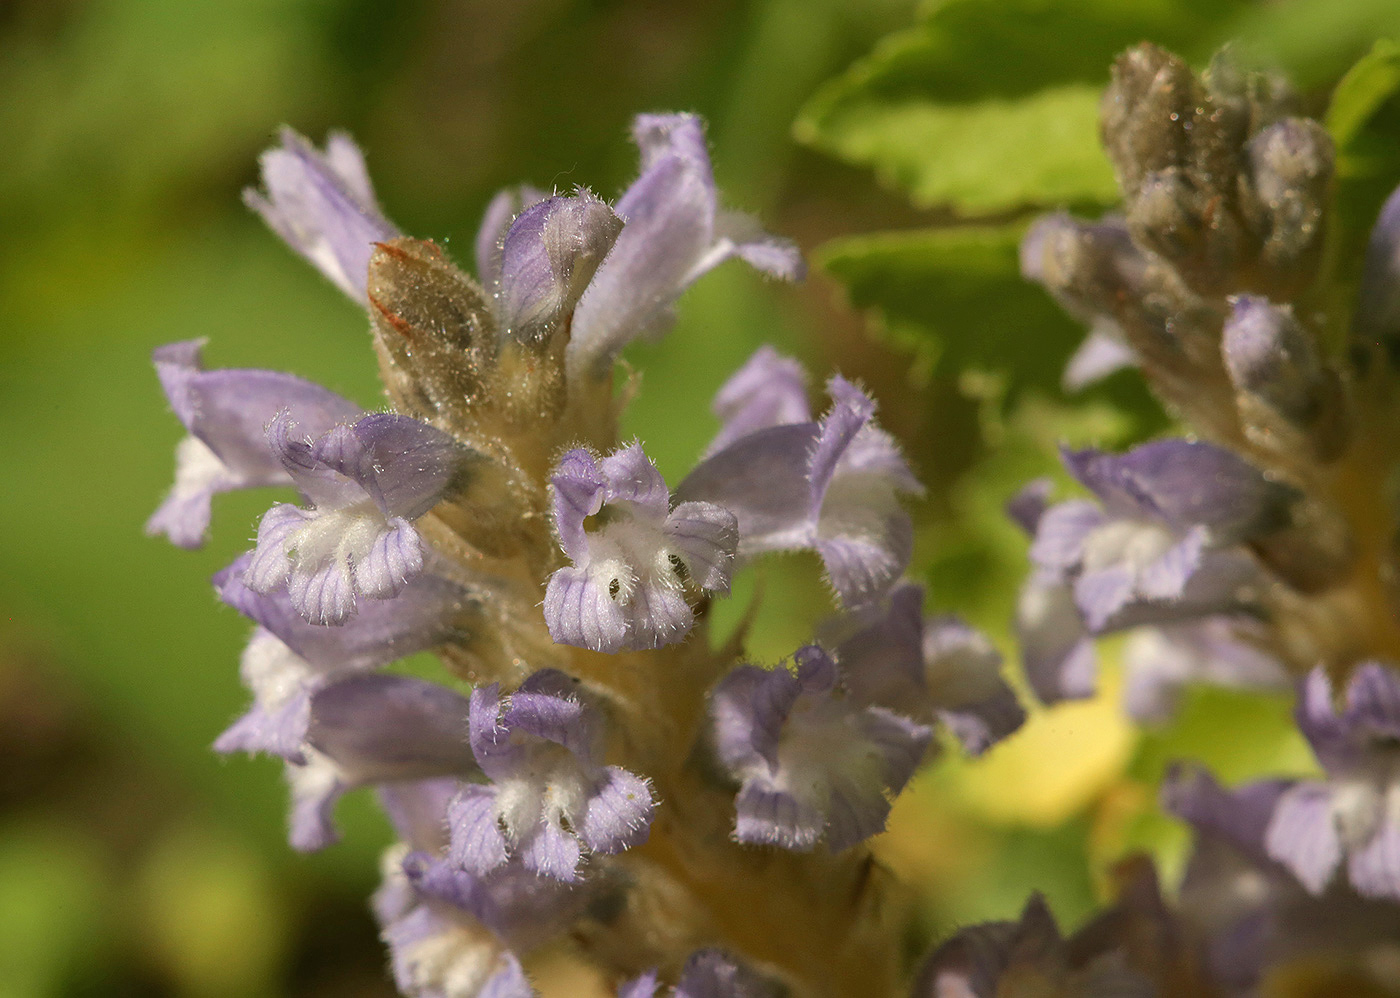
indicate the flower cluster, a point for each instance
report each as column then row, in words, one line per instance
column 602, row 772
column 1256, row 552
column 696, row 823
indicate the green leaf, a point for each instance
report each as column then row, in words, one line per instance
column 982, row 156
column 1364, row 120
column 990, row 105
column 1362, row 92
column 956, row 295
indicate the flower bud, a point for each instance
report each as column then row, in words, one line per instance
column 1147, row 113
column 1284, row 196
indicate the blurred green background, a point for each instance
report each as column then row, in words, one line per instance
column 132, row 860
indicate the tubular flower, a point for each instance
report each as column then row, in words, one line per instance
column 626, row 588
column 549, row 796
column 812, row 762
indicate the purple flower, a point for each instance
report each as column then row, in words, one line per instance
column 367, row 481
column 451, row 933
column 288, row 658
column 1161, row 544
column 1161, row 540
column 709, row 973
column 1354, row 815
column 675, row 232
column 1176, row 642
column 929, row 668
column 811, row 761
column 323, row 206
column 625, row 588
column 831, row 486
column 225, row 413
column 549, row 797
column 1252, row 912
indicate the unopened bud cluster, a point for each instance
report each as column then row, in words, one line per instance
column 1260, row 550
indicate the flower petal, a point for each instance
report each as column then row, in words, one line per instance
column 580, row 612
column 551, row 852
column 769, row 390
column 619, row 812
column 323, row 207
column 477, row 844
column 1302, row 835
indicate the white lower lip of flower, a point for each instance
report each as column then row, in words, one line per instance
column 343, row 535
column 319, row 252
column 273, row 671
column 316, row 777
column 818, row 749
column 1357, row 808
column 197, row 468
column 457, row 962
column 1133, row 543
column 553, row 787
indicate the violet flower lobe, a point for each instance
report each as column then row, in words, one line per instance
column 225, row 413
column 675, row 232
column 323, row 206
